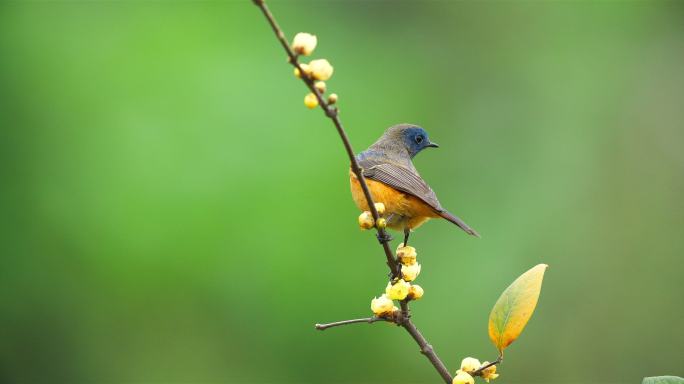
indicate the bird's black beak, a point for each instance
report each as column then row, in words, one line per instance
column 433, row 145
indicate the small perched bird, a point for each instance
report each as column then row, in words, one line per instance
column 394, row 181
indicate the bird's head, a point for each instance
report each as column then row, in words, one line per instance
column 412, row 137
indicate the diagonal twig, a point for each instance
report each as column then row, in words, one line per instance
column 478, row 372
column 369, row 320
column 331, row 112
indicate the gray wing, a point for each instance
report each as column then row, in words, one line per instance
column 402, row 179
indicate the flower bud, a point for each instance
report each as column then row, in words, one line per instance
column 415, row 292
column 462, row 378
column 470, row 364
column 410, row 272
column 406, row 255
column 382, row 223
column 332, row 99
column 489, row 373
column 382, row 305
column 321, row 69
column 380, row 207
column 305, row 67
column 304, row 43
column 366, row 220
column 310, row 101
column 320, row 86
column 398, row 290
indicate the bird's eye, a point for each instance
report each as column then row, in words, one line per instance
column 419, row 139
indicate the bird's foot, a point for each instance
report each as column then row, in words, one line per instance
column 384, row 237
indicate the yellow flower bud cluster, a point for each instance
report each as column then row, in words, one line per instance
column 397, row 289
column 383, row 306
column 469, row 365
column 318, row 70
column 410, row 269
column 366, row 218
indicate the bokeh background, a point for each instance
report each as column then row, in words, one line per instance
column 170, row 211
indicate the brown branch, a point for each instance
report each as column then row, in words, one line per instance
column 426, row 349
column 331, row 112
column 404, row 319
column 370, row 320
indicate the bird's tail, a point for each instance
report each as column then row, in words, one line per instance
column 459, row 222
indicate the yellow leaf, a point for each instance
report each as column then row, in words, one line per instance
column 515, row 307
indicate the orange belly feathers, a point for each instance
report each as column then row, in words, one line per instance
column 402, row 210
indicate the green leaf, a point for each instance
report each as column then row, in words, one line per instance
column 515, row 307
column 663, row 380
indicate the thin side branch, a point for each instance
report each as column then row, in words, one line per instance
column 478, row 372
column 370, row 320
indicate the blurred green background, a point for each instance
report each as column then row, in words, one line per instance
column 172, row 213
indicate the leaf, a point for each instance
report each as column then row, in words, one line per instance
column 515, row 307
column 663, row 380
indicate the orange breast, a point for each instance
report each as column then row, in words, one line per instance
column 412, row 211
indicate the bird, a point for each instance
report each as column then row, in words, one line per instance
column 393, row 180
